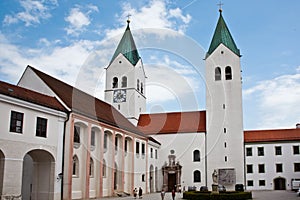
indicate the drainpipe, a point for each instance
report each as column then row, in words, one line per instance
column 63, row 157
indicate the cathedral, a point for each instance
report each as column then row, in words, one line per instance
column 58, row 142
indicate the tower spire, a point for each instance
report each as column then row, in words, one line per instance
column 222, row 35
column 127, row 46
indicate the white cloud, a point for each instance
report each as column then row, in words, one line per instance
column 33, row 12
column 79, row 19
column 154, row 15
column 277, row 101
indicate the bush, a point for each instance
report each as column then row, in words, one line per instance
column 231, row 195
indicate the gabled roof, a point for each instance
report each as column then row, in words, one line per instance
column 177, row 122
column 222, row 35
column 253, row 136
column 87, row 105
column 30, row 96
column 127, row 47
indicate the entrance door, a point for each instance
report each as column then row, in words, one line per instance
column 279, row 184
column 171, row 182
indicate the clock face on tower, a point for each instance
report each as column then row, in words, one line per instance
column 119, row 96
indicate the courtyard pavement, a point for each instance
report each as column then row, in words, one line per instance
column 257, row 195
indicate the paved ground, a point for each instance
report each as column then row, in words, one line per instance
column 257, row 195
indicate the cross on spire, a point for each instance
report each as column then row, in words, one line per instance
column 128, row 18
column 220, row 6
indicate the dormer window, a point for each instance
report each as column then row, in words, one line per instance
column 115, row 82
column 228, row 74
column 217, row 74
column 124, row 81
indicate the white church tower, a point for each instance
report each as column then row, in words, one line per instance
column 125, row 79
column 224, row 125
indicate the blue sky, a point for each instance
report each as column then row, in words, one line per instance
column 74, row 41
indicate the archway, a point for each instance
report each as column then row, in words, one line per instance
column 279, row 183
column 117, row 178
column 1, row 171
column 151, row 179
column 38, row 175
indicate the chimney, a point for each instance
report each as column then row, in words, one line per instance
column 298, row 125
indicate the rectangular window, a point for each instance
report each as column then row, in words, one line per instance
column 262, row 182
column 155, row 153
column 93, row 138
column 116, row 143
column 261, row 168
column 143, row 148
column 249, row 151
column 126, row 146
column 249, row 169
column 76, row 134
column 278, row 151
column 250, row 183
column 260, row 151
column 296, row 150
column 41, row 127
column 296, row 167
column 279, row 168
column 137, row 147
column 16, row 122
column 151, row 153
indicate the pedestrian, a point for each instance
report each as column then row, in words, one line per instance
column 134, row 193
column 173, row 194
column 162, row 194
column 140, row 193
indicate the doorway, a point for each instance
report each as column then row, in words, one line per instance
column 38, row 175
column 171, row 182
column 279, row 184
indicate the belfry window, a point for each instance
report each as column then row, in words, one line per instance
column 142, row 88
column 124, row 81
column 138, row 85
column 228, row 74
column 217, row 74
column 115, row 82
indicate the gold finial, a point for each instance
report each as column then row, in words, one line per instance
column 128, row 18
column 220, row 6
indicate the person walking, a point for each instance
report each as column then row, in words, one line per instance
column 173, row 194
column 135, row 193
column 140, row 193
column 162, row 194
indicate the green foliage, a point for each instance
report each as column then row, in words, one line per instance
column 231, row 195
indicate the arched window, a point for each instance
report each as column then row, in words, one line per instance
column 197, row 176
column 91, row 167
column 116, row 144
column 217, row 73
column 115, row 82
column 105, row 141
column 76, row 134
column 138, row 84
column 142, row 88
column 124, row 81
column 228, row 74
column 104, row 168
column 196, row 156
column 75, row 170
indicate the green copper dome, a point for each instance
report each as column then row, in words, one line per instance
column 127, row 47
column 222, row 35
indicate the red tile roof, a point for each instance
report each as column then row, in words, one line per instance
column 30, row 96
column 177, row 122
column 87, row 105
column 271, row 135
